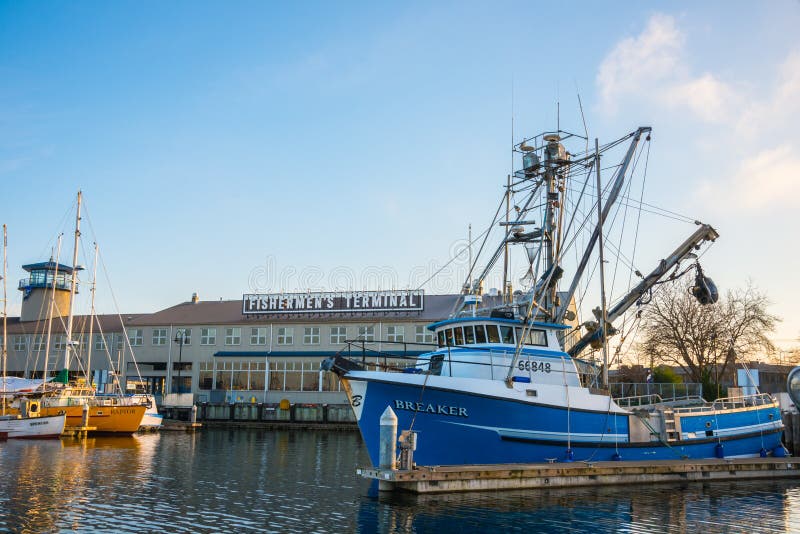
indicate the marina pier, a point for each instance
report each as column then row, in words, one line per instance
column 447, row 479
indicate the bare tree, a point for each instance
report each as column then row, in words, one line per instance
column 706, row 340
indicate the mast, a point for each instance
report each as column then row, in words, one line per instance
column 554, row 158
column 506, row 292
column 50, row 314
column 72, row 289
column 91, row 322
column 5, row 313
column 612, row 197
column 604, row 315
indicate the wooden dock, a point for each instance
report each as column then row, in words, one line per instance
column 180, row 426
column 446, row 479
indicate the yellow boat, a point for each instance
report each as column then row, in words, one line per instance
column 107, row 414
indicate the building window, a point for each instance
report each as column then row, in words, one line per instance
column 20, row 343
column 187, row 335
column 83, row 343
column 159, row 336
column 311, row 335
column 136, row 337
column 366, row 333
column 99, row 342
column 258, row 336
column 395, row 333
column 423, row 335
column 233, row 336
column 338, row 334
column 59, row 342
column 285, row 336
column 208, row 336
column 38, row 342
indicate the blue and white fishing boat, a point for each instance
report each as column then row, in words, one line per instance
column 506, row 383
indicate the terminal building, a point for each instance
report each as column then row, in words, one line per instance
column 262, row 348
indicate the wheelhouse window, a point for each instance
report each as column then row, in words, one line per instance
column 458, row 335
column 469, row 335
column 450, row 340
column 507, row 335
column 480, row 333
column 440, row 339
column 535, row 337
column 492, row 333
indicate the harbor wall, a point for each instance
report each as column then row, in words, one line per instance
column 267, row 413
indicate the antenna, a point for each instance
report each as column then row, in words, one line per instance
column 583, row 119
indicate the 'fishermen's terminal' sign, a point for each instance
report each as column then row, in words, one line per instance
column 340, row 302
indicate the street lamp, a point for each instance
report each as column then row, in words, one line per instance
column 180, row 339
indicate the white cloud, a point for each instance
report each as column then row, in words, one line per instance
column 708, row 98
column 756, row 129
column 637, row 62
column 652, row 66
column 770, row 179
column 778, row 109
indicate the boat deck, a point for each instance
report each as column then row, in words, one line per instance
column 460, row 478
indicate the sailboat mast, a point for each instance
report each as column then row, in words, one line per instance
column 50, row 313
column 603, row 311
column 72, row 285
column 5, row 313
column 91, row 321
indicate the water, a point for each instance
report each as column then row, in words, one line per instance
column 292, row 481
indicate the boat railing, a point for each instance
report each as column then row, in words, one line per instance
column 638, row 400
column 407, row 360
column 743, row 401
column 632, row 394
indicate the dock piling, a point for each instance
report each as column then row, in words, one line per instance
column 387, row 456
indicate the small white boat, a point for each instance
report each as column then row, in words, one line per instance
column 152, row 419
column 32, row 426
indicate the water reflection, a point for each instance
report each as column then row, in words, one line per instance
column 304, row 481
column 720, row 507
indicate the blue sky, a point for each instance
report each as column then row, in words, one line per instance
column 228, row 147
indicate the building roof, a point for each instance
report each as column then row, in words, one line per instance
column 230, row 312
column 103, row 323
column 50, row 266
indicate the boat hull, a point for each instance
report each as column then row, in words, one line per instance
column 103, row 419
column 33, row 427
column 457, row 427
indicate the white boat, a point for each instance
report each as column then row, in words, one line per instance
column 152, row 419
column 31, row 426
column 28, row 423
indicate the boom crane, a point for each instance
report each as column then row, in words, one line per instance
column 704, row 233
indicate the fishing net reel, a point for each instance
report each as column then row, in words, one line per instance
column 704, row 289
